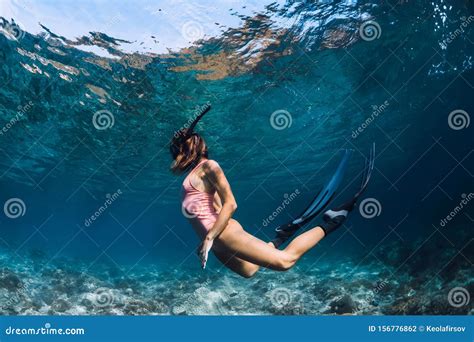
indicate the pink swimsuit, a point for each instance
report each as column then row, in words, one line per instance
column 198, row 205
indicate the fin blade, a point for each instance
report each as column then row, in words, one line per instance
column 330, row 188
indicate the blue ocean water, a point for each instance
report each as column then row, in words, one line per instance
column 92, row 222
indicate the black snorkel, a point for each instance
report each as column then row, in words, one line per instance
column 201, row 112
column 187, row 130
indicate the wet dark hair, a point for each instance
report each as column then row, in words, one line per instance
column 186, row 151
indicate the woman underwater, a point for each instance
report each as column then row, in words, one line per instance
column 209, row 204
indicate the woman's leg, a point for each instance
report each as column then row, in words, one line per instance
column 241, row 267
column 247, row 247
column 229, row 259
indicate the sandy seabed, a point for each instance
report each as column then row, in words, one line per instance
column 34, row 286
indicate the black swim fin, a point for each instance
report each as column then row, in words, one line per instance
column 334, row 218
column 319, row 203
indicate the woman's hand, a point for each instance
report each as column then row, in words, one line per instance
column 203, row 250
column 215, row 176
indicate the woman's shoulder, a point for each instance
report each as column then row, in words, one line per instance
column 211, row 165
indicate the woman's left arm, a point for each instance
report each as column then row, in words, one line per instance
column 217, row 178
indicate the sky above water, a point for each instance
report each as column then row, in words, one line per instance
column 150, row 26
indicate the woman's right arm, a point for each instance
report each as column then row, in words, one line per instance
column 217, row 203
column 216, row 177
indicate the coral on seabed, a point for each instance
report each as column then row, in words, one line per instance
column 66, row 287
